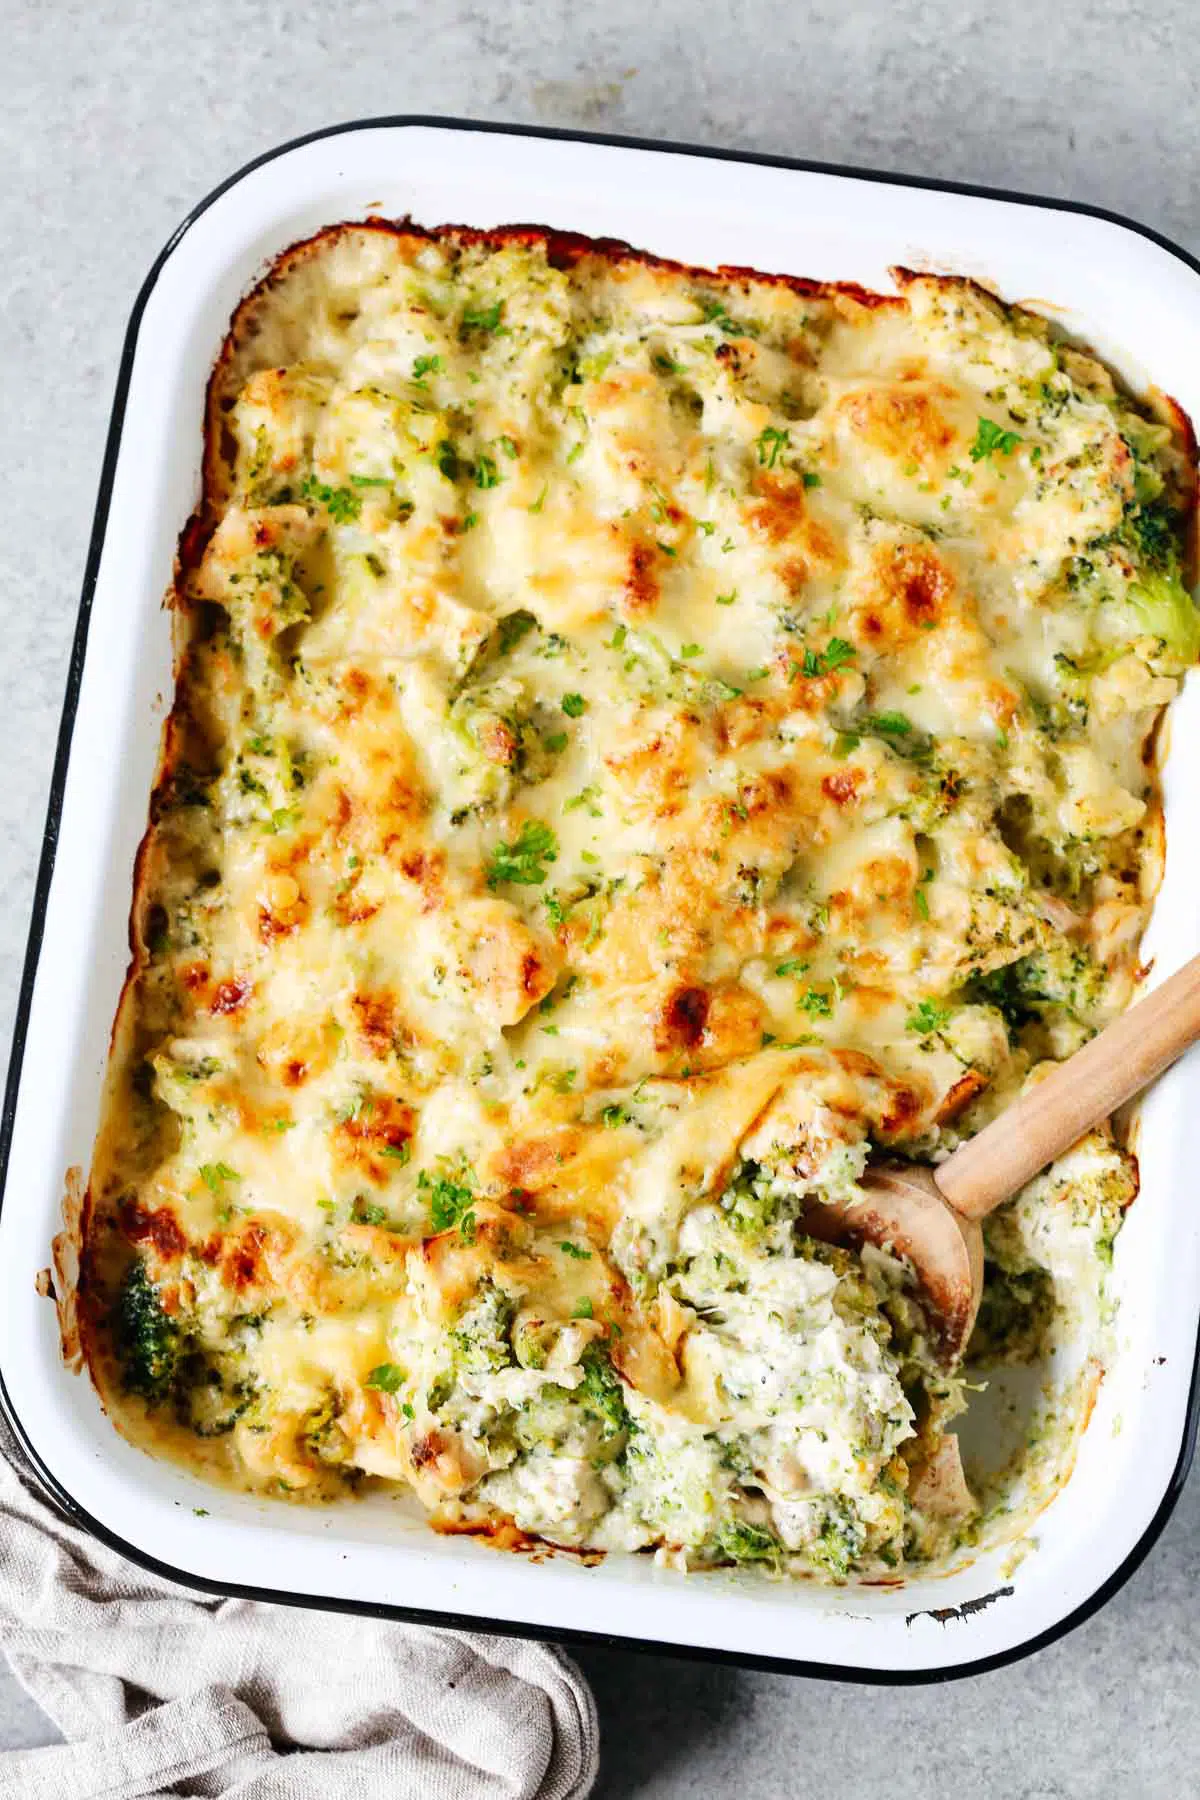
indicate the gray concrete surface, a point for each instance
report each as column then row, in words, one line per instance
column 118, row 115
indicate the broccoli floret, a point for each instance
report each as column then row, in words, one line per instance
column 1152, row 533
column 748, row 1202
column 602, row 1392
column 739, row 1542
column 1023, row 990
column 1157, row 595
column 322, row 1432
column 147, row 1340
column 1015, row 1316
column 532, row 1341
column 839, row 1543
column 510, row 738
column 1150, row 536
column 481, row 1336
column 205, row 1401
column 1167, row 611
column 161, row 1360
column 1004, row 989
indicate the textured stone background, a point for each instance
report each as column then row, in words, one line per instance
column 119, row 114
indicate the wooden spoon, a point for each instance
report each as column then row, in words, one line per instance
column 931, row 1215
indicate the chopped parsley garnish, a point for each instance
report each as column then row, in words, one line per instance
column 369, row 481
column 524, row 861
column 556, row 908
column 811, row 479
column 575, row 1250
column 215, row 1175
column 816, row 1004
column 574, row 705
column 888, row 724
column 585, row 800
column 615, row 1115
column 341, row 503
column 487, row 474
column 513, row 627
column 928, row 1016
column 447, row 460
column 483, row 318
column 796, row 965
column 584, row 1309
column 727, row 599
column 770, row 442
column 387, row 1377
column 451, row 1202
column 365, row 1212
column 716, row 313
column 835, row 655
column 509, row 448
column 991, row 438
column 426, row 365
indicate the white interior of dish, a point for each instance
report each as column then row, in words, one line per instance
column 1139, row 307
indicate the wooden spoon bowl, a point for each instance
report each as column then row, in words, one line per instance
column 931, row 1216
column 902, row 1211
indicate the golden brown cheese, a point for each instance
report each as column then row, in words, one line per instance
column 642, row 737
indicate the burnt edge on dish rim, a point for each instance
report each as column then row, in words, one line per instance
column 58, row 1494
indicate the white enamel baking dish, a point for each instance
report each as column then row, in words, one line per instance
column 1137, row 300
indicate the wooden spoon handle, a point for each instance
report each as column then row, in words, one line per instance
column 1052, row 1116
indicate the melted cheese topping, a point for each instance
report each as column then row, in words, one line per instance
column 643, row 737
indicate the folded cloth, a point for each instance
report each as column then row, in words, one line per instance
column 162, row 1691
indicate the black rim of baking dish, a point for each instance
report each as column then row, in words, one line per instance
column 457, row 1621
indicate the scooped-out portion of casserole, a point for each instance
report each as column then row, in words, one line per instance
column 645, row 740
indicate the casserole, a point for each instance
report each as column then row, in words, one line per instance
column 698, row 211
column 483, row 1083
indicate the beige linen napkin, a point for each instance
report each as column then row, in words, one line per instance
column 162, row 1691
